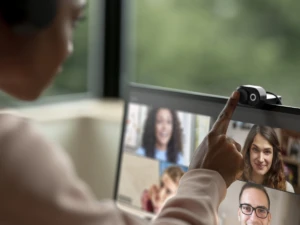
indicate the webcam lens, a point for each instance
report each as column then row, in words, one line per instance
column 253, row 97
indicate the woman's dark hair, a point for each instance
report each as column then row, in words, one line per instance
column 149, row 139
column 274, row 178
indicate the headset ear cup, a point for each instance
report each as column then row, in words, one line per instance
column 42, row 12
column 27, row 16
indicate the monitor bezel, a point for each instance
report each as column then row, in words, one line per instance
column 138, row 92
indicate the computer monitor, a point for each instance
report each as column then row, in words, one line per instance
column 162, row 128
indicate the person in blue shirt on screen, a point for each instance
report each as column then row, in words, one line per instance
column 162, row 137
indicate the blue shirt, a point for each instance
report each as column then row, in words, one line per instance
column 161, row 155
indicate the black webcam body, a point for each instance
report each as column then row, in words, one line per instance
column 256, row 96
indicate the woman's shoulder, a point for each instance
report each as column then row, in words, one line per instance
column 289, row 187
column 180, row 159
column 12, row 124
column 140, row 151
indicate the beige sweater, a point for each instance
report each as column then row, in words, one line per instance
column 38, row 186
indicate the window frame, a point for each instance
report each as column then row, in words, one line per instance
column 103, row 62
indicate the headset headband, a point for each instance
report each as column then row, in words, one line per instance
column 26, row 16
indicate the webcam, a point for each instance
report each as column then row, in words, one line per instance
column 256, row 96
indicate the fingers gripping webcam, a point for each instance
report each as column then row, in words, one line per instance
column 256, row 96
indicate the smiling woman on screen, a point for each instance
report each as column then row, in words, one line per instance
column 263, row 159
column 162, row 138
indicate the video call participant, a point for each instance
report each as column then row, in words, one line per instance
column 162, row 136
column 154, row 198
column 254, row 205
column 263, row 159
column 38, row 181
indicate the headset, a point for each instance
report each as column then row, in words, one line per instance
column 28, row 16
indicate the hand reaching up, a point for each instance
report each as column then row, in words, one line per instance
column 217, row 151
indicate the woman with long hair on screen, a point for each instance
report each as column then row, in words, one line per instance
column 263, row 163
column 162, row 137
column 154, row 199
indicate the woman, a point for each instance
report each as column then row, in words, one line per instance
column 39, row 184
column 162, row 136
column 263, row 160
column 154, row 198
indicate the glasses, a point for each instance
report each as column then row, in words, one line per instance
column 260, row 212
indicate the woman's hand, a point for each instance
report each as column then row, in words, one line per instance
column 217, row 151
column 145, row 200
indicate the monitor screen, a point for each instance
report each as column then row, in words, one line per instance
column 162, row 129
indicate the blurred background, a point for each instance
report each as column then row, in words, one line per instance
column 214, row 46
column 203, row 46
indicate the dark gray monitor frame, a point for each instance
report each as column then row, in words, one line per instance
column 277, row 116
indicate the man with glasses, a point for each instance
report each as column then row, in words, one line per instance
column 254, row 205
